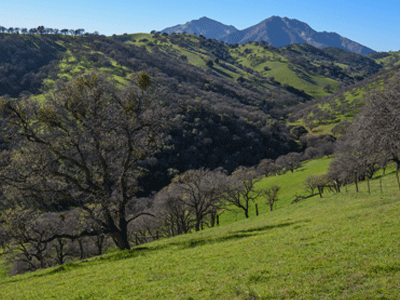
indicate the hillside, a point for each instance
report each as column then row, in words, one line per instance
column 229, row 98
column 330, row 114
column 303, row 70
column 342, row 246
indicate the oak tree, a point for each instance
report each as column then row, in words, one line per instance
column 84, row 148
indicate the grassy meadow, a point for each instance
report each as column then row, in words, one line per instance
column 341, row 246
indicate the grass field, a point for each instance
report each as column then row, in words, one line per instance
column 342, row 246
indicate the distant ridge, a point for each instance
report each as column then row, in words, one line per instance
column 207, row 27
column 277, row 31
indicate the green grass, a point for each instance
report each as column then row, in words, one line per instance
column 282, row 70
column 346, row 99
column 342, row 246
column 291, row 185
column 394, row 58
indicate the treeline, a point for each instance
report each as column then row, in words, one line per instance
column 44, row 30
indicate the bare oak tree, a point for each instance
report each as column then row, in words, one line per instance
column 202, row 191
column 272, row 195
column 376, row 132
column 84, row 149
column 242, row 191
column 290, row 161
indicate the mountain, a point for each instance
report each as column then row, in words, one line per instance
column 280, row 32
column 204, row 26
column 277, row 31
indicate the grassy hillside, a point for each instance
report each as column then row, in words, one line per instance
column 272, row 64
column 342, row 246
column 386, row 59
column 324, row 114
column 302, row 67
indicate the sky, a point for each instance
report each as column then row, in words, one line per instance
column 375, row 24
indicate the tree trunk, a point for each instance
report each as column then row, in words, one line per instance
column 212, row 221
column 120, row 239
column 197, row 226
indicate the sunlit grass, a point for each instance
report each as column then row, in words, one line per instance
column 342, row 246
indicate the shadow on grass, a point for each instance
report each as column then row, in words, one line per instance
column 221, row 72
column 142, row 251
column 195, row 242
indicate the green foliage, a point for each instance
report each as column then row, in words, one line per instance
column 144, row 81
column 48, row 117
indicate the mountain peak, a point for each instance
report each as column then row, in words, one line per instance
column 204, row 26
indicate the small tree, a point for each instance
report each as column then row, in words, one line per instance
column 290, row 161
column 210, row 63
column 272, row 195
column 202, row 191
column 176, row 216
column 242, row 191
column 327, row 88
column 313, row 182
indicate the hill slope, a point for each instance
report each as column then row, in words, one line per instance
column 329, row 114
column 342, row 246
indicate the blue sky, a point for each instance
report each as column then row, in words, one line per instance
column 375, row 24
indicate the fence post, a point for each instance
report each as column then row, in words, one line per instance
column 356, row 181
column 256, row 209
column 217, row 220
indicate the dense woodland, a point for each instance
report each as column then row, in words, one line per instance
column 97, row 163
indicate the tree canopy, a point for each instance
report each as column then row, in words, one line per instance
column 84, row 148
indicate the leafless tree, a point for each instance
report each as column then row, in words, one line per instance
column 242, row 189
column 268, row 167
column 313, row 182
column 290, row 161
column 202, row 192
column 84, row 148
column 376, row 132
column 177, row 218
column 272, row 195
